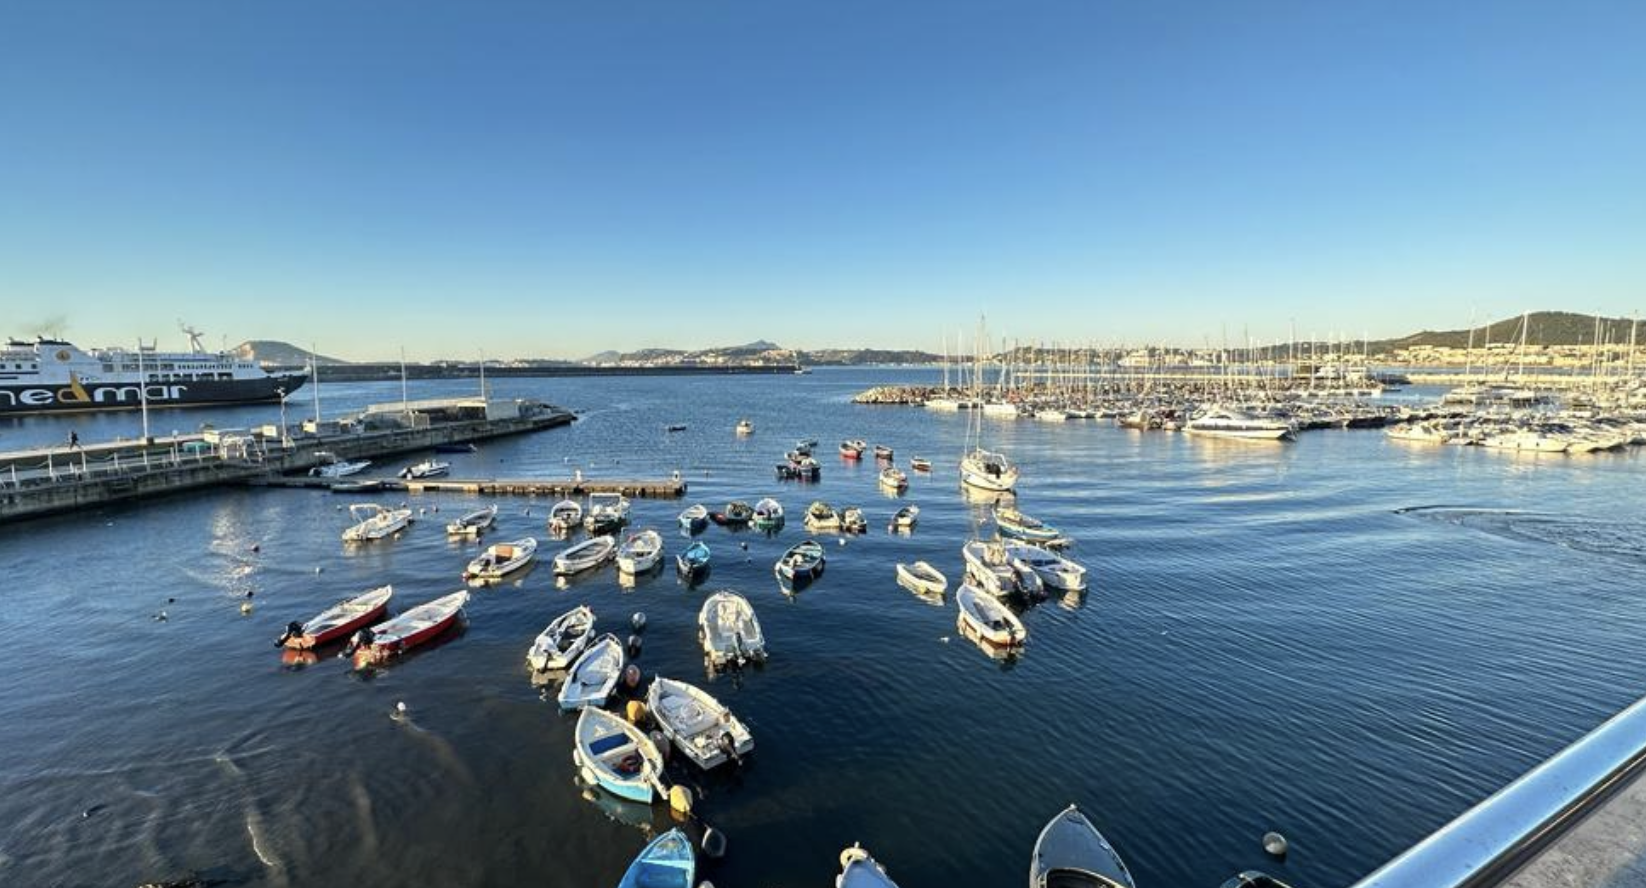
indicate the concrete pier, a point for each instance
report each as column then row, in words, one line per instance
column 667, row 488
column 38, row 483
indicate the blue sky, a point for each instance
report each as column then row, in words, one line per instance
column 552, row 179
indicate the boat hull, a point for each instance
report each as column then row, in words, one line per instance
column 80, row 396
column 377, row 653
column 344, row 630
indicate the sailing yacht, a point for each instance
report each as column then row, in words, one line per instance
column 982, row 468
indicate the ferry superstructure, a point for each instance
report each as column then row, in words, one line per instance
column 54, row 375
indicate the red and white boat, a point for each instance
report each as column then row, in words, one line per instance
column 394, row 637
column 853, row 449
column 338, row 620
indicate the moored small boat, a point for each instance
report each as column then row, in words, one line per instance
column 821, row 516
column 882, row 452
column 474, row 523
column 859, row 870
column 1013, row 523
column 1053, row 569
column 501, row 559
column 894, row 479
column 607, row 513
column 922, row 579
column 1071, row 852
column 340, row 469
column 693, row 561
column 640, row 552
column 391, row 638
column 768, row 514
column 805, row 468
column 591, row 677
column 804, row 561
column 737, row 513
column 745, row 427
column 852, row 520
column 986, row 618
column 728, row 629
column 694, row 518
column 920, row 464
column 428, row 468
column 668, row 862
column 853, row 449
column 905, row 518
column 374, row 522
column 338, row 620
column 590, row 553
column 616, row 756
column 989, row 568
column 562, row 641
column 565, row 516
column 697, row 724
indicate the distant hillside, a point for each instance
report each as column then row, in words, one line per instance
column 856, row 356
column 1542, row 328
column 273, row 351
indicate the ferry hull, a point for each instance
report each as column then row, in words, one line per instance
column 81, row 396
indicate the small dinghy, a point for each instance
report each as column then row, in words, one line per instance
column 803, row 562
column 374, row 522
column 905, row 518
column 821, row 516
column 428, row 468
column 337, row 621
column 616, row 756
column 768, row 514
column 800, row 468
column 590, row 553
column 697, row 724
column 1053, row 569
column 894, row 479
column 474, row 523
column 728, row 629
column 565, row 639
column 1017, row 525
column 804, row 446
column 745, row 427
column 608, row 513
column 853, row 449
column 989, row 568
column 694, row 518
column 922, row 579
column 592, row 675
column 737, row 514
column 920, row 464
column 882, row 453
column 501, row 559
column 565, row 516
column 1071, row 853
column 693, row 562
column 859, row 870
column 852, row 520
column 668, row 862
column 640, row 552
column 391, row 638
column 986, row 618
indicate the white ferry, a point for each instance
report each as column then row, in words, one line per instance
column 53, row 375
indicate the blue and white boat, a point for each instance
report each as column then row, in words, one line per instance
column 693, row 562
column 859, row 870
column 1070, row 851
column 694, row 518
column 617, row 757
column 668, row 862
column 1017, row 525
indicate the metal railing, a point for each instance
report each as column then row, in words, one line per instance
column 1487, row 843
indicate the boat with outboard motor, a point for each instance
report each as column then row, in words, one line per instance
column 337, row 621
column 982, row 616
column 768, row 514
column 728, row 629
column 640, row 552
column 374, row 522
column 378, row 644
column 694, row 518
column 501, row 559
column 565, row 517
column 473, row 523
column 697, row 724
column 693, row 562
column 607, row 513
column 563, row 640
column 802, row 562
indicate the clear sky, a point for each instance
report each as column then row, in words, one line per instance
column 555, row 179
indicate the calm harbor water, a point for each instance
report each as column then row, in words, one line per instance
column 1269, row 642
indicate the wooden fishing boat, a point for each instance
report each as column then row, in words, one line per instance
column 591, row 677
column 852, row 520
column 668, row 862
column 590, row 553
column 989, row 568
column 563, row 641
column 640, row 552
column 501, row 559
column 821, row 516
column 905, row 518
column 894, row 479
column 474, row 523
column 1071, row 852
column 728, row 629
column 693, row 562
column 374, row 522
column 565, row 516
column 694, row 518
column 768, row 514
column 737, row 513
column 920, row 464
column 982, row 616
column 391, row 638
column 922, row 579
column 804, row 561
column 882, row 453
column 697, row 724
column 337, row 621
column 853, row 449
column 616, row 756
column 1015, row 524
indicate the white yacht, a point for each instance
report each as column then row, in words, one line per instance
column 1226, row 422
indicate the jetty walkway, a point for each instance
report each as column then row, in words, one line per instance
column 35, row 483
